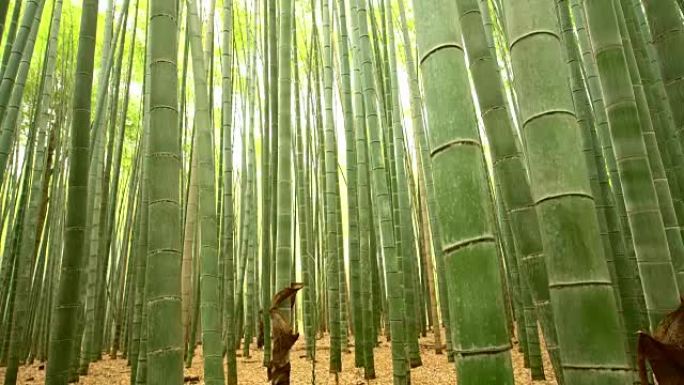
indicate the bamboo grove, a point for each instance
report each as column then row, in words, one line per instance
column 496, row 174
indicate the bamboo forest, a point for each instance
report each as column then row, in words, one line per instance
column 224, row 192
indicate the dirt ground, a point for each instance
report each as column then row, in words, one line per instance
column 435, row 369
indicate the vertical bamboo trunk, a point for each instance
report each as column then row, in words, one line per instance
column 227, row 245
column 640, row 195
column 139, row 375
column 430, row 270
column 668, row 37
column 269, row 162
column 251, row 289
column 11, row 33
column 4, row 7
column 68, row 299
column 23, row 265
column 367, row 335
column 164, row 347
column 305, row 211
column 406, row 242
column 481, row 343
column 189, row 231
column 210, row 301
column 626, row 262
column 382, row 203
column 10, row 72
column 332, row 251
column 426, row 168
column 351, row 179
column 283, row 249
column 509, row 168
column 577, row 269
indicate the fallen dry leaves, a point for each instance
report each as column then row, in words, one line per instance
column 435, row 369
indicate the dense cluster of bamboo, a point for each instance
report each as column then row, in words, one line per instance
column 477, row 169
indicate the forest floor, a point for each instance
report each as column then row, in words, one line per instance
column 435, row 369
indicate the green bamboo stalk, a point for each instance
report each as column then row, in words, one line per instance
column 662, row 123
column 577, row 269
column 211, row 315
column 622, row 274
column 164, row 348
column 668, row 35
column 507, row 245
column 139, row 374
column 283, row 244
column 250, row 258
column 11, row 113
column 351, row 179
column 467, row 234
column 367, row 334
column 626, row 263
column 120, row 316
column 406, row 243
column 9, row 74
column 668, row 198
column 95, row 175
column 426, row 168
column 227, row 243
column 305, row 211
column 382, row 203
column 511, row 173
column 27, row 252
column 17, row 311
column 269, row 129
column 641, row 199
column 110, row 188
column 4, row 7
column 268, row 280
column 68, row 299
column 331, row 188
column 11, row 34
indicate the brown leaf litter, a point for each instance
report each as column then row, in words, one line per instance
column 435, row 369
